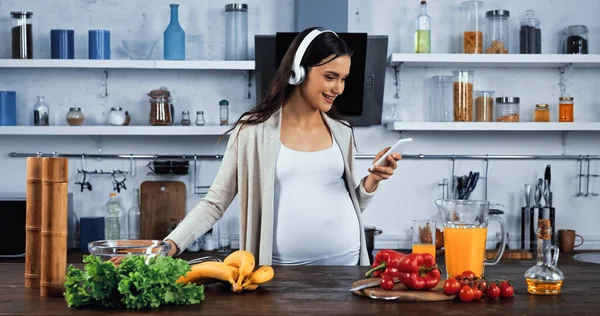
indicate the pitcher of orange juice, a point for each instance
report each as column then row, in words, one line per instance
column 465, row 233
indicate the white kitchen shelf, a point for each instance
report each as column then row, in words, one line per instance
column 495, row 60
column 128, row 64
column 113, row 130
column 493, row 126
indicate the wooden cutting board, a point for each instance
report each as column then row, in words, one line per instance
column 401, row 293
column 162, row 204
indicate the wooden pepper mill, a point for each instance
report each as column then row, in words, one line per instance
column 54, row 226
column 33, row 222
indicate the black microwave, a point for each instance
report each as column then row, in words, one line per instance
column 13, row 208
column 362, row 101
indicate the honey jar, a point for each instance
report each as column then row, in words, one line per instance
column 565, row 109
column 541, row 113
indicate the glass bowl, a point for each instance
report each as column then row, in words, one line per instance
column 106, row 249
column 139, row 49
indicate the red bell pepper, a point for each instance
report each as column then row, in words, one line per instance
column 385, row 264
column 418, row 271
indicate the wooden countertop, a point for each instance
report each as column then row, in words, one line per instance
column 324, row 291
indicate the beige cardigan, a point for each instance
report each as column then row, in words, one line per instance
column 248, row 168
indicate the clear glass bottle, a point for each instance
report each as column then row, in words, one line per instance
column 21, row 35
column 75, row 116
column 224, row 105
column 200, row 118
column 236, row 31
column 463, row 95
column 423, row 32
column 530, row 34
column 133, row 217
column 112, row 228
column 565, row 109
column 541, row 113
column 41, row 113
column 545, row 278
column 472, row 13
column 185, row 118
column 497, row 41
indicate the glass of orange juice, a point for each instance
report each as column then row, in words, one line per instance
column 423, row 236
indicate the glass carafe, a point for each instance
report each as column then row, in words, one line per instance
column 465, row 234
column 545, row 278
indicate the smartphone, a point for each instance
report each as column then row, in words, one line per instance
column 397, row 147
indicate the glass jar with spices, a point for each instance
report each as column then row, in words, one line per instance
column 75, row 116
column 497, row 32
column 507, row 109
column 200, row 118
column 116, row 116
column 463, row 95
column 565, row 109
column 21, row 35
column 161, row 107
column 530, row 34
column 541, row 113
column 484, row 106
column 185, row 118
column 224, row 105
column 576, row 39
column 471, row 14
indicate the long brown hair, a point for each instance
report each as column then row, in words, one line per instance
column 322, row 46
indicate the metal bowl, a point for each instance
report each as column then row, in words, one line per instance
column 106, row 249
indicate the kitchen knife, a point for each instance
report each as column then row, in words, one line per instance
column 374, row 283
column 524, row 219
column 548, row 176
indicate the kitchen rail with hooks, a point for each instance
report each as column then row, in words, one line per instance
column 453, row 158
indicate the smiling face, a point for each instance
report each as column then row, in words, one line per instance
column 325, row 82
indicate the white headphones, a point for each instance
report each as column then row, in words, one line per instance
column 298, row 72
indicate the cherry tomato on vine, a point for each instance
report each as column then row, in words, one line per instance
column 493, row 291
column 451, row 286
column 478, row 294
column 466, row 294
column 468, row 274
column 506, row 290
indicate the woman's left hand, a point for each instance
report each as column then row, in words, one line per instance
column 381, row 172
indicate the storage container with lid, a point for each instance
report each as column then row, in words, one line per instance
column 565, row 109
column 116, row 116
column 576, row 39
column 21, row 35
column 185, row 118
column 75, row 116
column 200, row 118
column 224, row 109
column 463, row 95
column 484, row 106
column 440, row 99
column 541, row 113
column 472, row 35
column 161, row 107
column 497, row 39
column 236, row 31
column 530, row 34
column 507, row 109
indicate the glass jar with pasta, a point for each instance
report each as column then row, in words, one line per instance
column 463, row 95
column 472, row 17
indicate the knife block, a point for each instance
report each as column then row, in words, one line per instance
column 529, row 218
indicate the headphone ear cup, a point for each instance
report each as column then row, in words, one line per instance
column 297, row 76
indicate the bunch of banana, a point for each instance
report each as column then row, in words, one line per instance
column 237, row 269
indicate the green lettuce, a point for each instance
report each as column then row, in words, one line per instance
column 138, row 282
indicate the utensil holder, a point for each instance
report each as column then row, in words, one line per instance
column 544, row 212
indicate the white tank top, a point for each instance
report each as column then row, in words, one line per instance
column 315, row 222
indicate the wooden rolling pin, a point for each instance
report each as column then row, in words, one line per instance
column 33, row 222
column 54, row 226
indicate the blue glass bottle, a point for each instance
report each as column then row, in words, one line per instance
column 174, row 37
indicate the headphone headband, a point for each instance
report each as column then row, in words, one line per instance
column 298, row 72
